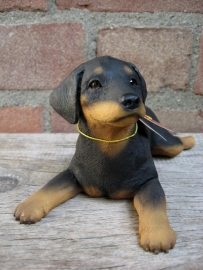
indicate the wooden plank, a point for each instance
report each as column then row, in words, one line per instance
column 88, row 233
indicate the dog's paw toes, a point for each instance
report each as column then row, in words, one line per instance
column 29, row 213
column 158, row 240
column 188, row 142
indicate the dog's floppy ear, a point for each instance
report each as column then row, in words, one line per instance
column 65, row 98
column 144, row 91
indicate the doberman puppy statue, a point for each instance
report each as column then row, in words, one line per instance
column 113, row 158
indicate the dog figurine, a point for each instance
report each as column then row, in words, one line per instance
column 113, row 158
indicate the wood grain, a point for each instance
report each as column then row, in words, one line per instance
column 88, row 233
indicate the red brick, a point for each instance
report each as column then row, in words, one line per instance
column 39, row 56
column 189, row 121
column 199, row 80
column 26, row 5
column 195, row 6
column 21, row 120
column 59, row 124
column 162, row 55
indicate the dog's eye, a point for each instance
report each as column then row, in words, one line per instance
column 95, row 84
column 133, row 82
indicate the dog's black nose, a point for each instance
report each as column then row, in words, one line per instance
column 130, row 102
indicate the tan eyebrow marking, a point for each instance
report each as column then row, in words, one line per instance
column 98, row 70
column 128, row 70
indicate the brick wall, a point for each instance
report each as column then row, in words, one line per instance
column 41, row 41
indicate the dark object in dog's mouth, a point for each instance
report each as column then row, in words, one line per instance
column 154, row 122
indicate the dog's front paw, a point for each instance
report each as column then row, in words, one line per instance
column 30, row 211
column 157, row 239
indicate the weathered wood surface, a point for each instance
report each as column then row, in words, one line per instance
column 88, row 233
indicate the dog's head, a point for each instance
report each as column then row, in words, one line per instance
column 104, row 89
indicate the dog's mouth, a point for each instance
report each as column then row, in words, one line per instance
column 133, row 116
column 113, row 113
column 126, row 120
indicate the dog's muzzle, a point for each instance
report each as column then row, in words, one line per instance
column 130, row 102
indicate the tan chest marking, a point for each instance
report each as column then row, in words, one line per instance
column 122, row 194
column 93, row 191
